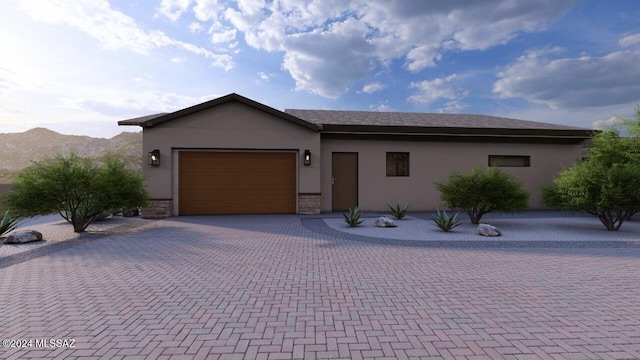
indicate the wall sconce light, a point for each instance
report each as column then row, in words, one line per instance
column 307, row 157
column 154, row 157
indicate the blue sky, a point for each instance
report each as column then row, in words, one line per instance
column 79, row 66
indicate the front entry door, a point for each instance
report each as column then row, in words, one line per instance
column 344, row 179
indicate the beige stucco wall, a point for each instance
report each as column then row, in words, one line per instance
column 433, row 162
column 234, row 126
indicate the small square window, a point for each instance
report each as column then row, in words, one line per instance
column 509, row 161
column 397, row 164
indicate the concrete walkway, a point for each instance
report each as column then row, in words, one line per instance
column 277, row 287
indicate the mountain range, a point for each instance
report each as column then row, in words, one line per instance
column 19, row 150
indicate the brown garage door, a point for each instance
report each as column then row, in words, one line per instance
column 212, row 183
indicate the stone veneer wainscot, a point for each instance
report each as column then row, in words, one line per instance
column 158, row 209
column 309, row 204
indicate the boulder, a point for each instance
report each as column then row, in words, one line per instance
column 24, row 236
column 385, row 222
column 488, row 230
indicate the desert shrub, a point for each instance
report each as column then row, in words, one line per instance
column 398, row 211
column 353, row 217
column 606, row 185
column 77, row 188
column 482, row 191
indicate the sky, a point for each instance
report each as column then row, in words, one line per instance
column 79, row 66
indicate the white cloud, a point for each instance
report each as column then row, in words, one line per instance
column 327, row 62
column 452, row 107
column 436, row 89
column 195, row 27
column 205, row 10
column 381, row 108
column 329, row 45
column 173, row 9
column 113, row 29
column 584, row 81
column 613, row 121
column 264, row 77
column 221, row 34
column 630, row 40
column 373, row 87
column 178, row 60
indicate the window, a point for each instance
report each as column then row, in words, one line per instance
column 509, row 161
column 397, row 164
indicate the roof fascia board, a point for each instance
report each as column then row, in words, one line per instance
column 226, row 99
column 454, row 138
column 454, row 131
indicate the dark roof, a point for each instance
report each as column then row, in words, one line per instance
column 391, row 123
column 139, row 120
column 374, row 122
column 152, row 120
column 378, row 118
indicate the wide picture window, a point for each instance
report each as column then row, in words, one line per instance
column 509, row 161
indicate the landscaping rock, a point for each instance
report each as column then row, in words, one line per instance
column 24, row 236
column 488, row 230
column 385, row 222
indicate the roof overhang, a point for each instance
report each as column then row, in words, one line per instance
column 157, row 119
column 435, row 132
column 140, row 120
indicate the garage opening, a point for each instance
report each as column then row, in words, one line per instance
column 217, row 183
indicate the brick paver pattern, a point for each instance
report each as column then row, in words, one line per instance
column 267, row 288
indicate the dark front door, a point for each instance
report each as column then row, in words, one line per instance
column 344, row 179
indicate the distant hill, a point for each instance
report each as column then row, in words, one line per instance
column 18, row 150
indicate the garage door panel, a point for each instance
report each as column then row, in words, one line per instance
column 237, row 183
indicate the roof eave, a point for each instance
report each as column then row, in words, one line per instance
column 139, row 121
column 222, row 100
column 456, row 131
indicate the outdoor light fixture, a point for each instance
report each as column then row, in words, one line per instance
column 154, row 157
column 307, row 157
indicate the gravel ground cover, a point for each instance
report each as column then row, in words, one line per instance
column 525, row 226
column 55, row 231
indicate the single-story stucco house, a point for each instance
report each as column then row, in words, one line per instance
column 233, row 155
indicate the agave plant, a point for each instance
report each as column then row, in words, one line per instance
column 399, row 212
column 444, row 221
column 8, row 223
column 353, row 219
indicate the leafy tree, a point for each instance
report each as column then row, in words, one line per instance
column 483, row 191
column 607, row 184
column 75, row 187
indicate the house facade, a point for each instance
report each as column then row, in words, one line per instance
column 233, row 155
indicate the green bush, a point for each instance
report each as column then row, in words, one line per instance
column 606, row 185
column 353, row 219
column 445, row 222
column 399, row 212
column 483, row 191
column 77, row 188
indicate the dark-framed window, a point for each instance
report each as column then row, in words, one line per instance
column 509, row 160
column 397, row 164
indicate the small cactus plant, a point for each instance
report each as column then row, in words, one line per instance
column 399, row 212
column 353, row 219
column 445, row 222
column 8, row 223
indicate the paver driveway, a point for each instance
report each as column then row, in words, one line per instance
column 267, row 287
